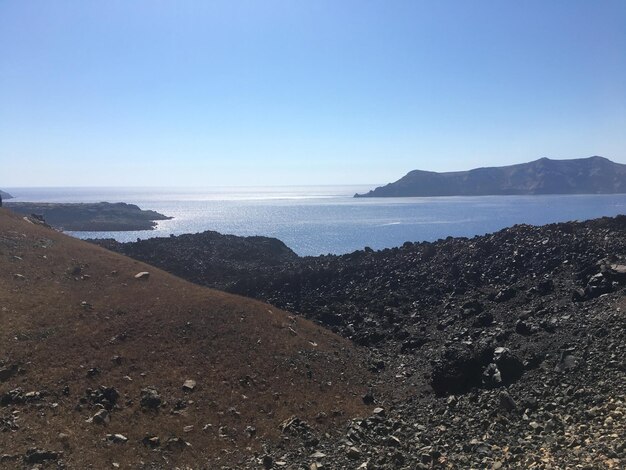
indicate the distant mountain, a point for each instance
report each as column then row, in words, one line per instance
column 593, row 175
column 5, row 195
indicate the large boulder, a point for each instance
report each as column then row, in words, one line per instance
column 457, row 370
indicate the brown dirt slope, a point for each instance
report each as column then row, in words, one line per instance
column 74, row 321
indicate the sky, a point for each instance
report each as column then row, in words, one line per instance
column 204, row 93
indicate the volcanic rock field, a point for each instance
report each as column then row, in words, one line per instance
column 500, row 351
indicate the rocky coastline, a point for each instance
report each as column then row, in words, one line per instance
column 498, row 351
column 91, row 217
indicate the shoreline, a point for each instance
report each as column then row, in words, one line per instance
column 87, row 217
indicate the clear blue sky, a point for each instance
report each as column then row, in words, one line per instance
column 294, row 92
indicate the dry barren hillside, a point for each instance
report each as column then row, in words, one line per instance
column 101, row 368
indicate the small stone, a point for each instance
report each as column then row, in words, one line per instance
column 267, row 461
column 188, row 428
column 39, row 456
column 144, row 275
column 223, row 432
column 189, row 385
column 7, row 372
column 318, row 455
column 379, row 411
column 101, row 417
column 176, row 443
column 619, row 268
column 150, row 398
column 507, row 402
column 354, row 453
column 32, row 396
column 568, row 362
column 151, row 441
column 117, row 438
column 523, row 328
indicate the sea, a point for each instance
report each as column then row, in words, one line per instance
column 317, row 220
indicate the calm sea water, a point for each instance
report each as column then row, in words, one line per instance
column 314, row 220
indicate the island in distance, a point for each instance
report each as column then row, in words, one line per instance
column 593, row 175
column 5, row 195
column 96, row 217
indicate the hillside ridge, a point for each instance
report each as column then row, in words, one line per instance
column 96, row 346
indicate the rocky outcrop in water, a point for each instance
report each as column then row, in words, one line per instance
column 101, row 216
column 594, row 175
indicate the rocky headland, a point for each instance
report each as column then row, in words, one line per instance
column 91, row 217
column 594, row 175
column 498, row 351
column 5, row 195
